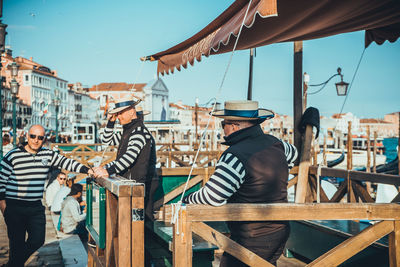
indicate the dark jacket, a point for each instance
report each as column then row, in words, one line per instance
column 264, row 160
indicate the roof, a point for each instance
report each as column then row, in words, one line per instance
column 271, row 21
column 117, row 87
column 373, row 121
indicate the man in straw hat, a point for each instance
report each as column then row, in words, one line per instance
column 134, row 144
column 254, row 169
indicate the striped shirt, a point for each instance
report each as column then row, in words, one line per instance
column 137, row 140
column 228, row 177
column 23, row 175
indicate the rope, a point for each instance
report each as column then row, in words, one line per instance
column 175, row 216
column 216, row 99
column 137, row 76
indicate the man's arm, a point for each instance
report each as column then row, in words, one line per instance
column 290, row 153
column 5, row 172
column 108, row 136
column 228, row 176
column 135, row 145
column 68, row 164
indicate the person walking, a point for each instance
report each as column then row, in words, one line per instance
column 254, row 169
column 23, row 173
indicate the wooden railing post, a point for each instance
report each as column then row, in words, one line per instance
column 138, row 226
column 394, row 245
column 124, row 232
column 301, row 189
column 182, row 241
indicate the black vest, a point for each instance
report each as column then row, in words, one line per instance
column 264, row 160
column 144, row 166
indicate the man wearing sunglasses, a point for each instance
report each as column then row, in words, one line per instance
column 254, row 169
column 23, row 173
column 54, row 187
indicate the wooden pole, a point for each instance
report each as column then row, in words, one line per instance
column 138, row 226
column 124, row 232
column 182, row 241
column 302, row 184
column 297, row 92
column 374, row 154
column 368, row 167
column 394, row 245
column 324, row 152
column 349, row 148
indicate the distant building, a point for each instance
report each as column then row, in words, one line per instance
column 383, row 128
column 37, row 89
column 155, row 96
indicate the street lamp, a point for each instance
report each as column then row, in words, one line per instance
column 14, row 86
column 2, row 43
column 57, row 103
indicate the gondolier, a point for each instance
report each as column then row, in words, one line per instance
column 23, row 173
column 254, row 169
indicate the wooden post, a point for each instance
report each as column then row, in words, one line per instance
column 394, row 245
column 111, row 228
column 182, row 241
column 374, row 154
column 138, row 226
column 349, row 148
column 124, row 232
column 281, row 130
column 301, row 189
column 315, row 151
column 324, row 153
column 368, row 167
column 297, row 92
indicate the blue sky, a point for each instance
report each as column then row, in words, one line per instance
column 95, row 41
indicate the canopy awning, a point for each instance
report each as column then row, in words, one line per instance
column 275, row 21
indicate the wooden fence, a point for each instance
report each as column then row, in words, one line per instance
column 124, row 240
column 191, row 219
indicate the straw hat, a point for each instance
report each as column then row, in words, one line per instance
column 243, row 110
column 140, row 111
column 124, row 103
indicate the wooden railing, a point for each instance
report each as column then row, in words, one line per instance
column 191, row 219
column 124, row 220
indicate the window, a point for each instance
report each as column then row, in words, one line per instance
column 27, row 78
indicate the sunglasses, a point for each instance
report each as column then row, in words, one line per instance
column 33, row 136
column 223, row 123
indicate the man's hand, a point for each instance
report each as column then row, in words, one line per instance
column 100, row 172
column 2, row 206
column 113, row 117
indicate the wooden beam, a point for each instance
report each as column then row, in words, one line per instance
column 138, row 226
column 297, row 91
column 94, row 259
column 177, row 191
column 359, row 176
column 394, row 245
column 241, row 253
column 111, row 227
column 276, row 212
column 182, row 241
column 354, row 244
column 292, row 182
column 301, row 188
column 124, row 231
column 362, row 192
column 182, row 171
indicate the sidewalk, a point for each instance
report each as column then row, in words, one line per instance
column 48, row 255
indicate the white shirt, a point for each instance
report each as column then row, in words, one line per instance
column 58, row 199
column 71, row 214
column 51, row 192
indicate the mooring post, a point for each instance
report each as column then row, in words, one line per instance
column 182, row 241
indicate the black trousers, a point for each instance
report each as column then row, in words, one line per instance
column 268, row 247
column 22, row 219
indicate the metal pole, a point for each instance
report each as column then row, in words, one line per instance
column 57, row 123
column 250, row 88
column 14, row 120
